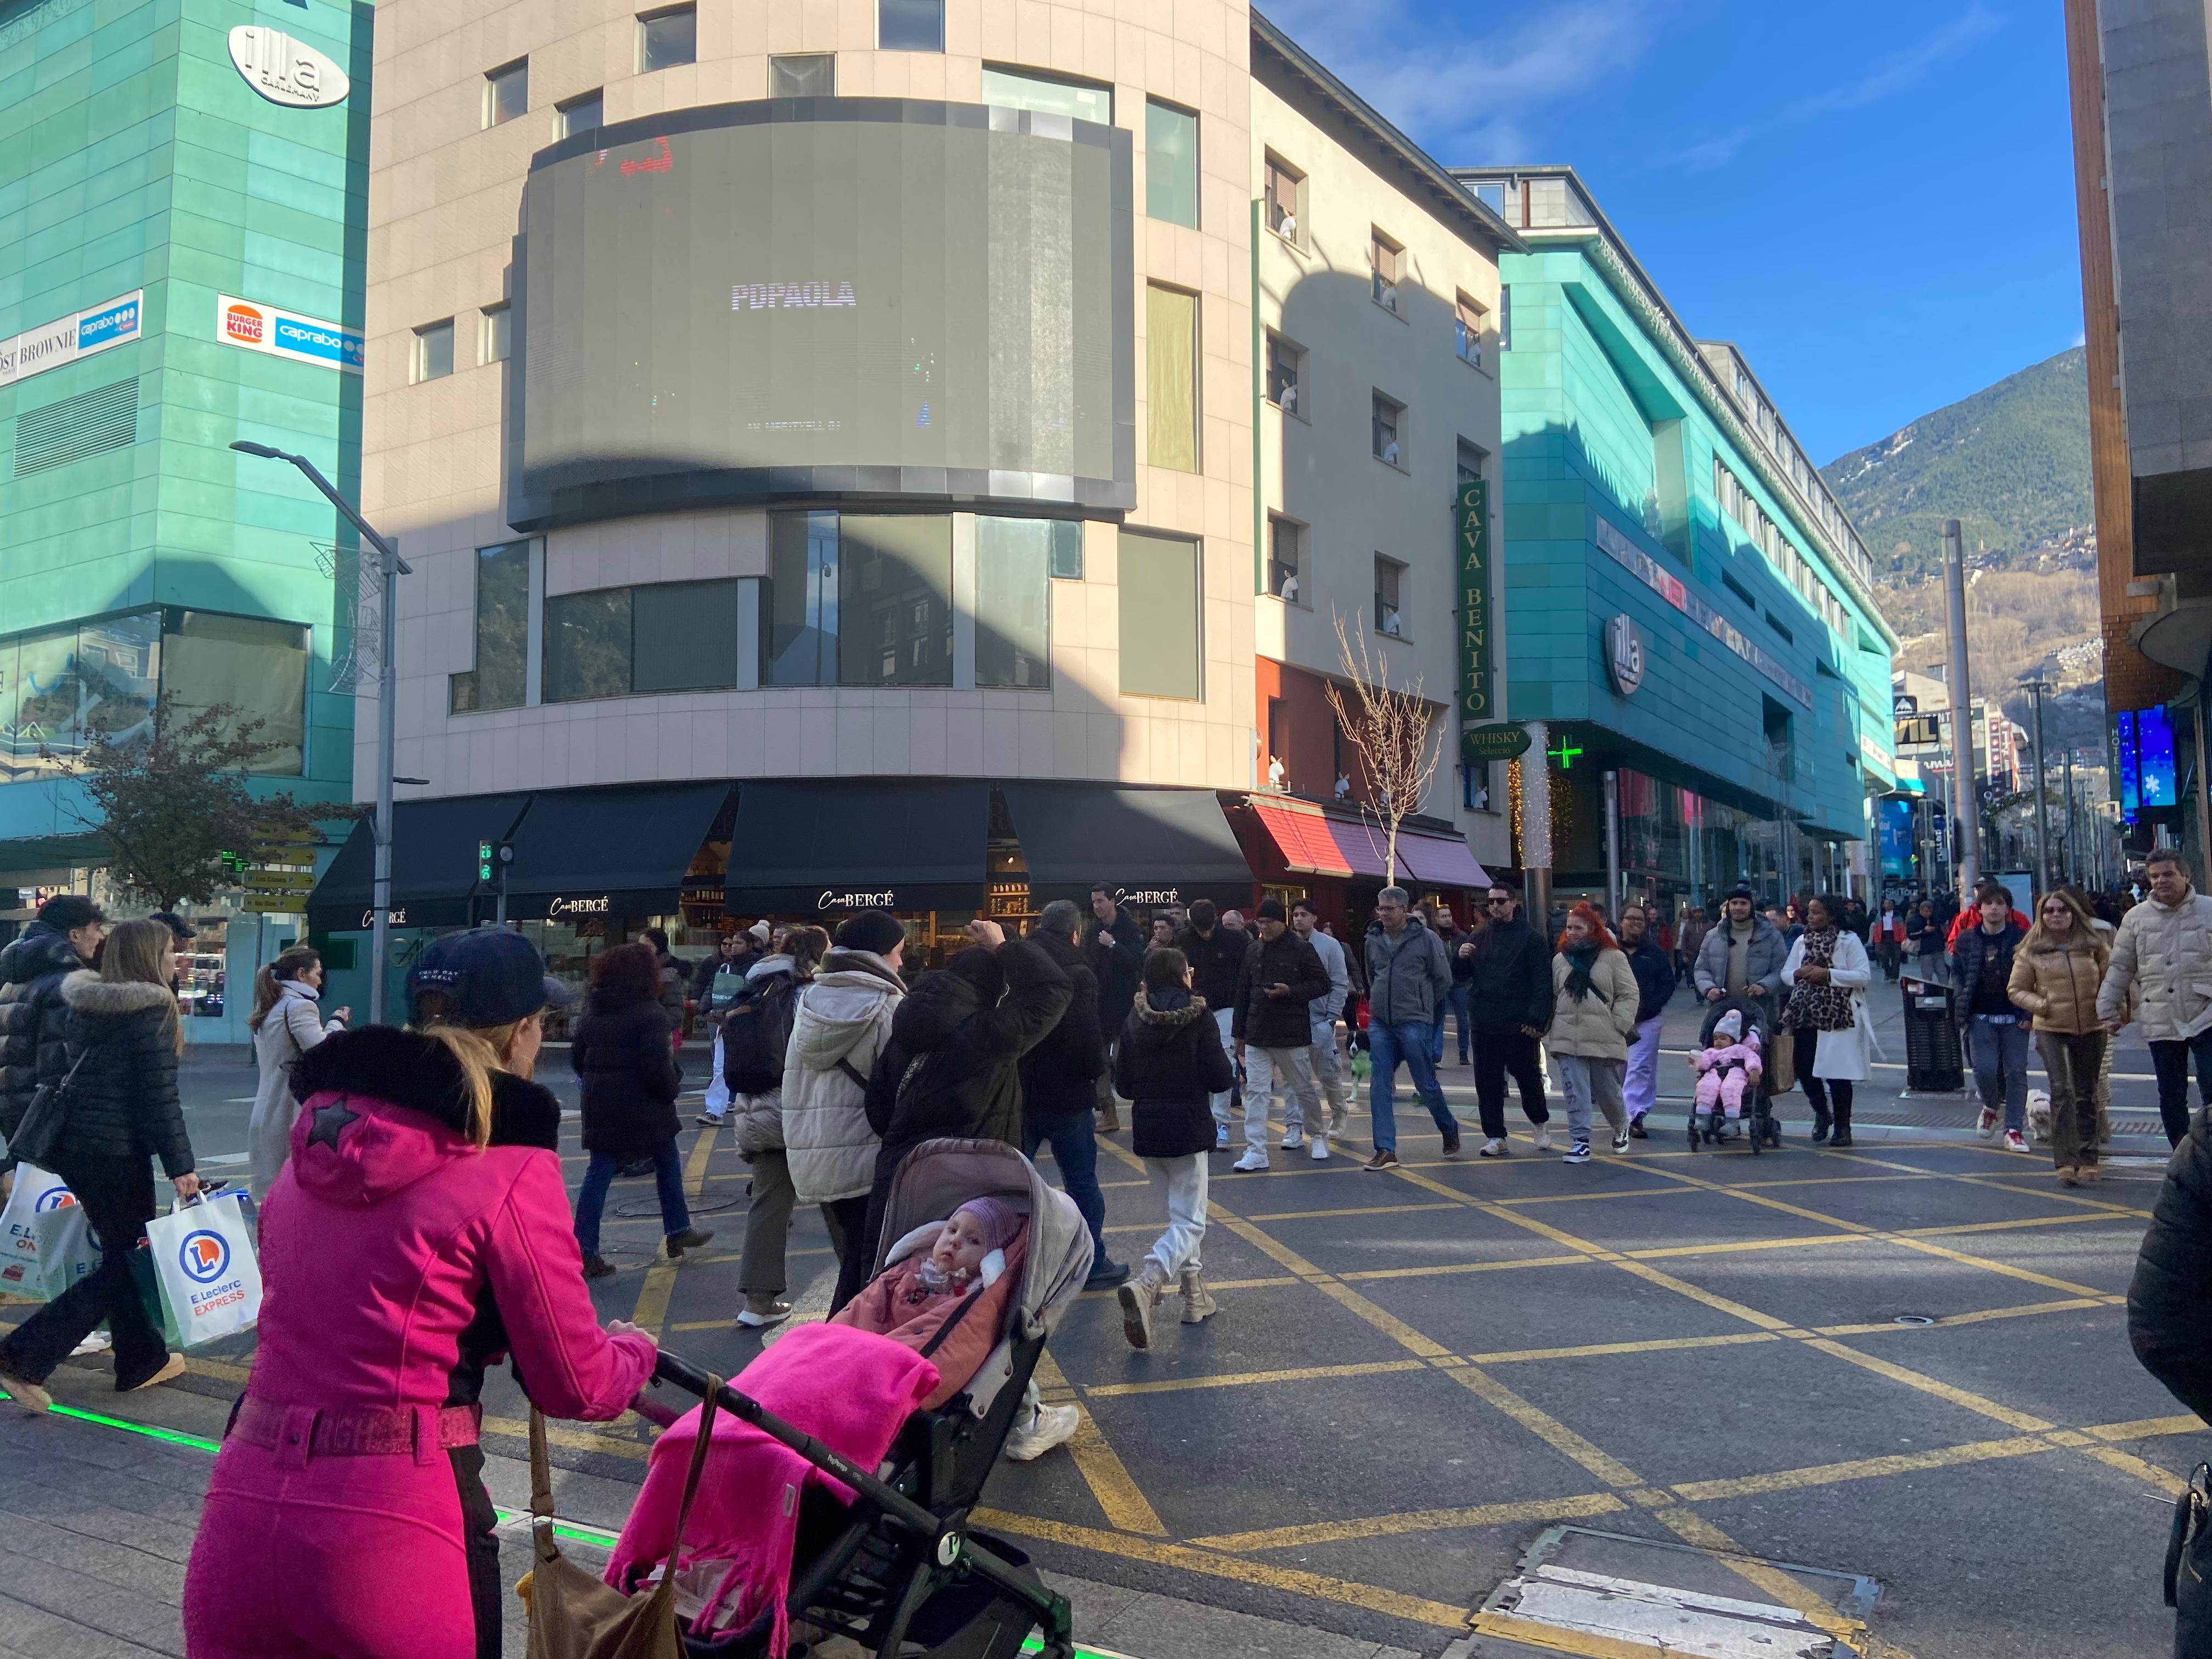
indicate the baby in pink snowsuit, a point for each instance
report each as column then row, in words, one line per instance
column 1726, row 1069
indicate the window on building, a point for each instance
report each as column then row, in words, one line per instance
column 586, row 113
column 1469, row 321
column 503, row 631
column 802, row 75
column 799, row 617
column 1013, row 589
column 1389, row 576
column 1283, row 188
column 895, row 599
column 588, row 645
column 434, row 351
column 1171, row 163
column 1504, row 318
column 258, row 668
column 495, row 334
column 1475, row 786
column 1385, row 257
column 1066, row 549
column 1171, row 378
column 667, row 37
column 1078, row 100
column 1468, row 461
column 1388, row 425
column 506, row 92
column 910, row 24
column 1277, row 728
column 1286, row 365
column 1286, row 542
column 625, row 641
column 1160, row 597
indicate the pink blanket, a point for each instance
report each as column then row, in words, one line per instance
column 851, row 1389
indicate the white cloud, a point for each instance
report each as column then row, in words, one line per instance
column 1903, row 72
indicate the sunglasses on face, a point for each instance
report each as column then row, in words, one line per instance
column 1501, row 901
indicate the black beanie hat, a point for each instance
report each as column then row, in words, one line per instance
column 1271, row 910
column 869, row 930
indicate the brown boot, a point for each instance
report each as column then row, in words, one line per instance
column 1139, row 1298
column 1198, row 1303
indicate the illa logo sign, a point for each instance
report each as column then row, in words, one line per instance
column 246, row 324
column 204, row 1255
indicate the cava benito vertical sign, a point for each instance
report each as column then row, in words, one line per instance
column 1475, row 704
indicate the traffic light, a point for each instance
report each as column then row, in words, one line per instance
column 484, row 861
column 492, row 858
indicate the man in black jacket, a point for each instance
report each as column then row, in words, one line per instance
column 1511, row 994
column 1654, row 984
column 1115, row 952
column 1059, row 1085
column 1216, row 957
column 64, row 937
column 1272, row 1027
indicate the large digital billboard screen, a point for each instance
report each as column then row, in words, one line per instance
column 824, row 297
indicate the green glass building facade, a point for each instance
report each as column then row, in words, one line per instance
column 183, row 216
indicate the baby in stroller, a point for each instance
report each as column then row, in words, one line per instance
column 1727, row 1068
column 944, row 1291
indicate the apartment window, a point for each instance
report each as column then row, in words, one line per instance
column 1504, row 318
column 1468, row 459
column 1386, row 257
column 588, row 642
column 495, row 334
column 506, row 92
column 1171, row 163
column 910, row 24
column 1013, row 587
column 1490, row 193
column 808, row 75
column 434, row 351
column 800, row 614
column 584, row 114
column 1171, row 378
column 1286, row 365
column 1078, row 100
column 1285, row 193
column 667, row 38
column 258, row 668
column 1475, row 786
column 1467, row 324
column 503, row 631
column 1389, row 574
column 859, row 599
column 1389, row 423
column 1285, row 539
column 1160, row 595
column 626, row 641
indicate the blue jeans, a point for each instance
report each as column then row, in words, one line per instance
column 592, row 1197
column 1998, row 1055
column 1074, row 1138
column 1458, row 1001
column 1388, row 1045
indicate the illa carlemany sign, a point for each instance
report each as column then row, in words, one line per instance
column 1474, row 602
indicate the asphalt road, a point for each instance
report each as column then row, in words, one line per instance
column 1415, row 1373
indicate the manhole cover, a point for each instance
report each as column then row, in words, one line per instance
column 631, row 1209
column 1914, row 1319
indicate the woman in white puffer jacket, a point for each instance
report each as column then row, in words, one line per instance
column 286, row 1023
column 844, row 1019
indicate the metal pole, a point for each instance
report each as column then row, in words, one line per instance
column 2073, row 849
column 2203, row 788
column 2036, row 688
column 1612, row 895
column 1965, row 798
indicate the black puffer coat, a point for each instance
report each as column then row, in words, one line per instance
column 2170, row 1302
column 121, row 1036
column 622, row 1051
column 964, row 1042
column 31, row 969
column 1266, row 1022
column 1061, row 1074
column 1169, row 1065
column 1215, row 962
column 1512, row 978
column 1116, row 955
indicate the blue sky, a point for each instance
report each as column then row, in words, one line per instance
column 1875, row 200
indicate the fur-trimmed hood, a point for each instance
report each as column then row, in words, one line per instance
column 88, row 993
column 408, row 1069
column 1167, row 1010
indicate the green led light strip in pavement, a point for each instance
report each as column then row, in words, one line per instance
column 598, row 1536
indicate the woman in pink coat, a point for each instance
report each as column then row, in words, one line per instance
column 419, row 1232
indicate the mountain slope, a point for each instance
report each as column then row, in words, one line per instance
column 2010, row 462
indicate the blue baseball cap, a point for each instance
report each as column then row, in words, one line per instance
column 489, row 976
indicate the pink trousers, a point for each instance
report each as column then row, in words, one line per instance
column 334, row 1558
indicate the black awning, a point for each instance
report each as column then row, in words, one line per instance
column 621, row 851
column 1148, row 846
column 824, row 846
column 434, row 864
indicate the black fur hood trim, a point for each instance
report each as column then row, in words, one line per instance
column 420, row 1073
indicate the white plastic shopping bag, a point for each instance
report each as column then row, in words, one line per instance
column 69, row 1250
column 35, row 1194
column 204, row 1262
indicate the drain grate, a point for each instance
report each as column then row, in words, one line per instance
column 1914, row 1319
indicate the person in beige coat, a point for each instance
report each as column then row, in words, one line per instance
column 1594, row 997
column 2057, row 974
column 2163, row 955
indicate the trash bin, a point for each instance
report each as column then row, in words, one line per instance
column 1933, row 1062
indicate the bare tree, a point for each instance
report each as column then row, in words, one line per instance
column 1390, row 728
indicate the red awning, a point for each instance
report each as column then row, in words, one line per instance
column 1441, row 863
column 1303, row 840
column 1314, row 844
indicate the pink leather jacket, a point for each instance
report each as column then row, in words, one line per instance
column 398, row 1260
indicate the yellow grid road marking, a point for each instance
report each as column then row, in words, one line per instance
column 1861, row 1469
column 1555, row 1638
column 660, row 1278
column 1595, row 1349
column 1364, row 1274
column 2146, row 1428
column 1883, row 1327
column 1120, row 1498
column 1969, row 1400
column 1732, row 1247
column 1250, row 1379
column 1392, row 1526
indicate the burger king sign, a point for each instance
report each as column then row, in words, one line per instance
column 246, row 324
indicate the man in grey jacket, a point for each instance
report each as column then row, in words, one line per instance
column 1331, row 1067
column 2162, row 954
column 1743, row 955
column 1408, row 978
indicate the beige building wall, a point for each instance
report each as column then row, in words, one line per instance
column 1317, row 465
column 444, row 195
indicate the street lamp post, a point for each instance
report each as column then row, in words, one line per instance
column 2035, row 688
column 391, row 568
column 1966, row 787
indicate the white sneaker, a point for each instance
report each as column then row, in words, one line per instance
column 1577, row 1153
column 1495, row 1148
column 1292, row 1141
column 1320, row 1149
column 1620, row 1140
column 2016, row 1142
column 1051, row 1426
column 1253, row 1160
column 1221, row 1136
column 1987, row 1127
column 1543, row 1137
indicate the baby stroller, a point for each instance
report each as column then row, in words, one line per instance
column 1759, row 1126
column 899, row 1570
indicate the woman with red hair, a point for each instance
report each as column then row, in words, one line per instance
column 1594, row 997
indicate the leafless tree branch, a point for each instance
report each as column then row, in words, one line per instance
column 1392, row 729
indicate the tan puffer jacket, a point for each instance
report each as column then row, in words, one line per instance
column 2058, row 983
column 1598, row 1025
column 2165, row 957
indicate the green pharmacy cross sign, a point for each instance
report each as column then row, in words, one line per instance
column 1565, row 754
